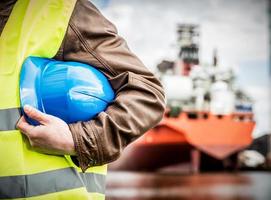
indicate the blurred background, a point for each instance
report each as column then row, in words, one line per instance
column 213, row 58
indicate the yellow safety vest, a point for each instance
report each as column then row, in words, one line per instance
column 36, row 28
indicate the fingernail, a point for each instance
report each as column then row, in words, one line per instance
column 27, row 108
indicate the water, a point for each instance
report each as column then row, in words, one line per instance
column 206, row 186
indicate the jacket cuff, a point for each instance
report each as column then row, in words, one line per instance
column 86, row 145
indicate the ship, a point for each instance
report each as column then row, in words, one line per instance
column 207, row 115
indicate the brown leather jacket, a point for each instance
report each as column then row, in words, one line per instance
column 139, row 103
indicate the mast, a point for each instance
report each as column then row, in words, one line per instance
column 215, row 60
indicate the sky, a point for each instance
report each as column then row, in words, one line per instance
column 238, row 29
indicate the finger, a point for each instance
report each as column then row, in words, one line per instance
column 24, row 126
column 36, row 114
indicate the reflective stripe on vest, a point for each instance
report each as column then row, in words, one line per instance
column 36, row 28
column 9, row 118
column 40, row 184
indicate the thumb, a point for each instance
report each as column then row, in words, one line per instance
column 24, row 126
column 36, row 114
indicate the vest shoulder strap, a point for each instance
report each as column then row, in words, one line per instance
column 34, row 28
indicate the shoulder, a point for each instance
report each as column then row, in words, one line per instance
column 87, row 16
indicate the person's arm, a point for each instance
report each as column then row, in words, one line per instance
column 139, row 103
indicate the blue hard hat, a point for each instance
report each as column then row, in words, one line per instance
column 72, row 91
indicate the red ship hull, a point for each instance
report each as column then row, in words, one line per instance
column 172, row 140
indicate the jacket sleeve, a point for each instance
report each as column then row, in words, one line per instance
column 139, row 102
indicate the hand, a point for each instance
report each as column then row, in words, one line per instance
column 53, row 136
